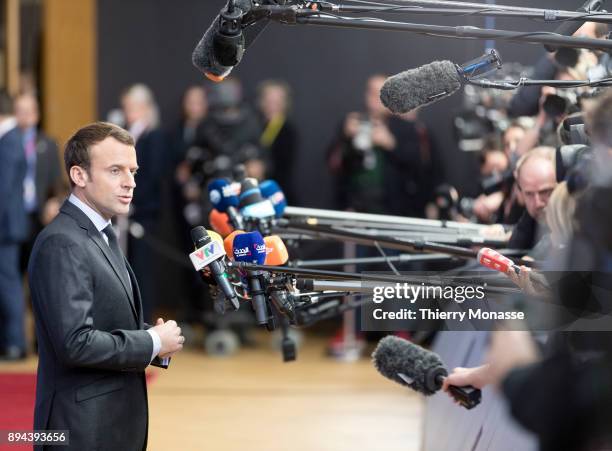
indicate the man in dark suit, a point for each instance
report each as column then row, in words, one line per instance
column 13, row 231
column 44, row 174
column 93, row 342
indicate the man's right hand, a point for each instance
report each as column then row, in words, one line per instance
column 170, row 336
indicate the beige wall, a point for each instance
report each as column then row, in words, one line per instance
column 69, row 66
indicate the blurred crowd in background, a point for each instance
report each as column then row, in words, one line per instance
column 380, row 163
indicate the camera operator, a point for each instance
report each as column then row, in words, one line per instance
column 228, row 136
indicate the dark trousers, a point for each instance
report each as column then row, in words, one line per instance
column 12, row 309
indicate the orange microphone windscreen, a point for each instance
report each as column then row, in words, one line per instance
column 276, row 251
column 220, row 222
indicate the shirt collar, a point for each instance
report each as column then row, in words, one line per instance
column 93, row 215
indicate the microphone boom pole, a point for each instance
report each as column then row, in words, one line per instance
column 540, row 38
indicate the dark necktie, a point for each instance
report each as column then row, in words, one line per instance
column 114, row 247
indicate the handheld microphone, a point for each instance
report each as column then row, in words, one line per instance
column 272, row 191
column 252, row 203
column 220, row 222
column 569, row 27
column 224, row 43
column 209, row 253
column 276, row 251
column 421, row 370
column 251, row 248
column 228, row 243
column 427, row 84
column 224, row 200
column 492, row 259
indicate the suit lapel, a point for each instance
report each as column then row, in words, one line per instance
column 85, row 223
column 97, row 238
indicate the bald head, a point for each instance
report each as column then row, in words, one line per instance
column 536, row 179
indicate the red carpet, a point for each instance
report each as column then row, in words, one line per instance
column 17, row 394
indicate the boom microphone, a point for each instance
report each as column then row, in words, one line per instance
column 224, row 43
column 427, row 84
column 423, row 371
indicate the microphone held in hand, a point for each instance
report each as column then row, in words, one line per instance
column 421, row 370
column 492, row 259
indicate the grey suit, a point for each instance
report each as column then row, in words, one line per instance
column 93, row 346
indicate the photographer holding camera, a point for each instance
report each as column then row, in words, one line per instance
column 381, row 163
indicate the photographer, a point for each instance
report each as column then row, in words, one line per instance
column 494, row 163
column 381, row 163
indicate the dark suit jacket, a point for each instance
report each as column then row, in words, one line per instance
column 524, row 233
column 48, row 181
column 13, row 217
column 93, row 348
column 153, row 158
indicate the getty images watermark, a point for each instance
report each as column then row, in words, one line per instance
column 430, row 301
column 481, row 300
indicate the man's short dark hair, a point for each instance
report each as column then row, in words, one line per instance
column 78, row 148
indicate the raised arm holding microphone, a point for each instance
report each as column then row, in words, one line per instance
column 93, row 343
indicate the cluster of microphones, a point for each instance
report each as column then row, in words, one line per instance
column 244, row 255
column 247, row 264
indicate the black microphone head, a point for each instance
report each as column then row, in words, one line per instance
column 199, row 236
column 394, row 355
column 427, row 84
column 213, row 54
column 203, row 56
column 249, row 192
